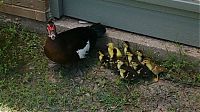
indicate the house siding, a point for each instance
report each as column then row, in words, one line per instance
column 33, row 9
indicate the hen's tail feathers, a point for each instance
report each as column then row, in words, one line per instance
column 99, row 29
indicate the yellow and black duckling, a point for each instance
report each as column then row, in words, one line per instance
column 120, row 64
column 144, row 72
column 140, row 55
column 148, row 63
column 126, row 47
column 114, row 55
column 134, row 71
column 103, row 59
column 125, row 71
column 156, row 69
column 113, row 60
column 131, row 57
column 111, row 47
column 121, row 68
column 131, row 65
column 134, row 65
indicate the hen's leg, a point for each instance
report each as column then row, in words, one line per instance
column 53, row 65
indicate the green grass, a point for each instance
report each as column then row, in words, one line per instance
column 1, row 2
column 28, row 84
column 181, row 69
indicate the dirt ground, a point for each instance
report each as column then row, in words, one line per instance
column 161, row 96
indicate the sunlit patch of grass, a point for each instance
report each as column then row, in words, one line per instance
column 178, row 63
column 181, row 69
column 110, row 101
column 18, row 47
column 21, row 62
column 4, row 108
column 1, row 2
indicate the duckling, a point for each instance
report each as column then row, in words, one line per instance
column 126, row 72
column 123, row 73
column 122, row 68
column 142, row 70
column 159, row 69
column 110, row 50
column 104, row 60
column 119, row 64
column 145, row 73
column 119, row 54
column 113, row 60
column 131, row 57
column 156, row 69
column 134, row 65
column 148, row 63
column 140, row 55
column 126, row 47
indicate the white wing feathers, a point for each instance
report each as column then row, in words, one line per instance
column 83, row 52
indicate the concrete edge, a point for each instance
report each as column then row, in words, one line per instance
column 142, row 41
column 159, row 47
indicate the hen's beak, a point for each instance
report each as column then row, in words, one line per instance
column 52, row 36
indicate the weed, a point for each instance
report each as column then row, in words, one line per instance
column 110, row 101
column 181, row 69
column 176, row 63
column 198, row 78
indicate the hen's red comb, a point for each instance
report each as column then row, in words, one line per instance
column 50, row 27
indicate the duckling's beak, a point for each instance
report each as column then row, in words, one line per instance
column 110, row 44
column 100, row 53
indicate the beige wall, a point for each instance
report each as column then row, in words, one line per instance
column 33, row 9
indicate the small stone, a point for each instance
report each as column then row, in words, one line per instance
column 82, row 22
column 31, row 67
column 87, row 94
column 17, row 19
column 7, row 20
